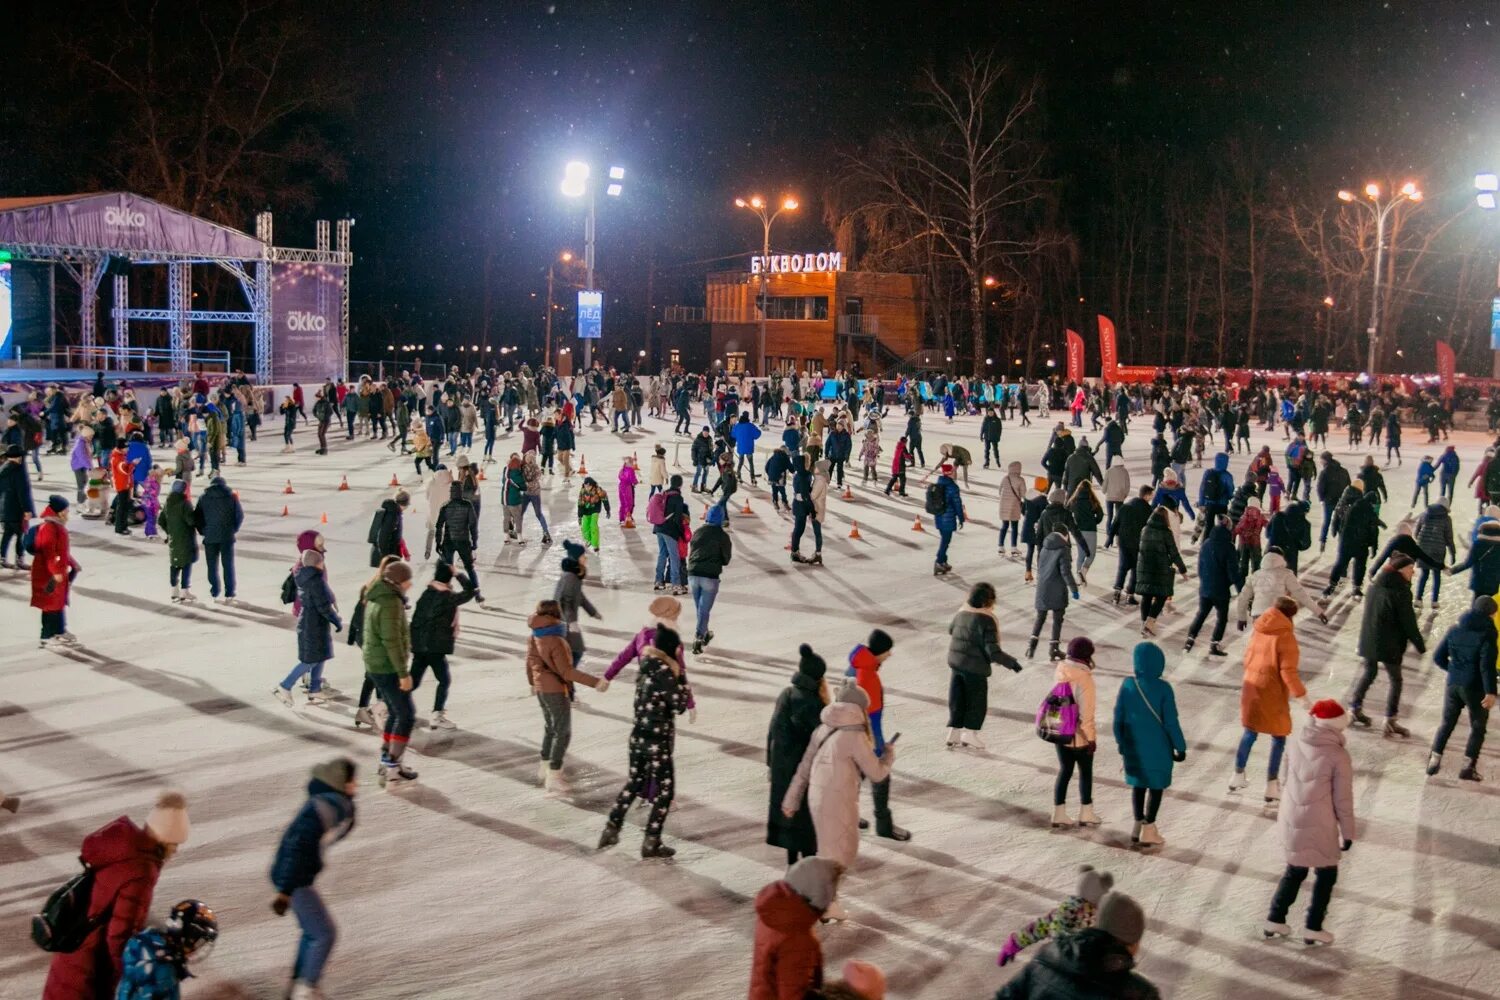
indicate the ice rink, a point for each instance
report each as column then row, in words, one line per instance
column 473, row 883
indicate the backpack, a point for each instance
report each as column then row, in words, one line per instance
column 28, row 540
column 288, row 589
column 375, row 524
column 1057, row 715
column 656, row 508
column 937, row 499
column 1213, row 488
column 64, row 922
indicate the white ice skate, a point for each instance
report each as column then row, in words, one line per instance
column 541, row 773
column 1087, row 817
column 1061, row 819
column 440, row 720
column 1150, row 837
column 1313, row 937
column 557, row 784
column 282, row 695
column 305, row 991
column 1273, row 791
column 364, row 717
column 1271, row 929
column 1238, row 781
column 954, row 739
column 835, row 912
column 970, row 738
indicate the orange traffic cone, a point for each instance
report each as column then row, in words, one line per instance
column 916, row 525
column 746, row 509
column 343, row 484
column 583, row 465
column 285, row 512
column 481, row 477
column 325, row 517
column 289, row 489
column 848, row 492
column 854, row 532
column 394, row 480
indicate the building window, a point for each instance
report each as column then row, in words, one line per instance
column 675, row 358
column 814, row 366
column 734, row 362
column 797, row 307
column 786, row 364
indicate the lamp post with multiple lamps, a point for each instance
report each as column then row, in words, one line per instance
column 1488, row 186
column 763, row 211
column 575, row 184
column 1409, row 192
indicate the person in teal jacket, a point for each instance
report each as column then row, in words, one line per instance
column 1149, row 738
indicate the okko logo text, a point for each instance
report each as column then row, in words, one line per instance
column 124, row 218
column 306, row 322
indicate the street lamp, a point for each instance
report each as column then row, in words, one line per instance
column 575, row 184
column 1408, row 192
column 758, row 205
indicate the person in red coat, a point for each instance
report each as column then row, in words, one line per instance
column 127, row 861
column 52, row 572
column 788, row 962
column 122, row 480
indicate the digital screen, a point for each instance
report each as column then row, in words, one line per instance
column 7, row 339
column 590, row 315
column 1495, row 325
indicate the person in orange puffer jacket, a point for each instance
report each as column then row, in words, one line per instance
column 864, row 667
column 122, row 480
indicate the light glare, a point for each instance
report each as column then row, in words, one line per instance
column 1487, row 182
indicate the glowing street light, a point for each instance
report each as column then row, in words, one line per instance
column 757, row 204
column 1407, row 192
column 575, row 184
column 991, row 281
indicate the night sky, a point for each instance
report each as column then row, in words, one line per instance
column 461, row 115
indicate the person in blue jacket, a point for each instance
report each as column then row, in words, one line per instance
column 155, row 961
column 1170, row 487
column 1467, row 655
column 139, row 452
column 745, row 434
column 1215, row 490
column 950, row 520
column 1218, row 578
column 1149, row 737
column 325, row 818
column 1447, row 472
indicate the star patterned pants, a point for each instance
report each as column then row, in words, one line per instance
column 651, row 778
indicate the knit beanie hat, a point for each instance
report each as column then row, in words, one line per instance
column 396, row 573
column 865, row 978
column 1122, row 917
column 574, row 550
column 168, row 820
column 853, row 694
column 179, row 486
column 1485, row 605
column 443, row 573
column 879, row 643
column 1092, row 885
column 335, row 773
column 810, row 664
column 1329, row 714
column 1057, row 496
column 815, row 880
column 57, row 502
column 715, row 515
column 1490, row 529
column 1081, row 650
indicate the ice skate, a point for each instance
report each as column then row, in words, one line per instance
column 1148, row 628
column 1135, row 832
column 1187, row 647
column 1273, row 790
column 1054, row 651
column 1470, row 770
column 541, row 771
column 1394, row 728
column 1271, row 929
column 1029, row 577
column 970, row 738
column 1238, row 781
column 282, row 695
column 1312, row 937
column 1060, row 818
column 176, row 596
column 305, row 991
column 1087, row 816
column 1150, row 837
column 394, row 774
column 1434, row 763
column 187, row 597
column 364, row 717
column 835, row 913
column 610, row 837
column 954, row 740
column 1031, row 646
column 652, row 847
column 1360, row 718
column 440, row 720
column 319, row 697
column 1217, row 649
column 1115, row 597
column 556, row 784
column 10, row 803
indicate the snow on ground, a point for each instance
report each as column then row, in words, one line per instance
column 472, row 883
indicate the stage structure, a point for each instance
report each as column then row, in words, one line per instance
column 298, row 299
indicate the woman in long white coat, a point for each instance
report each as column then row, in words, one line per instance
column 840, row 752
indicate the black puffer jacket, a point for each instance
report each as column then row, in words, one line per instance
column 385, row 532
column 1089, row 965
column 1129, row 520
column 1157, row 557
column 975, row 643
column 433, row 619
column 456, row 524
column 1390, row 622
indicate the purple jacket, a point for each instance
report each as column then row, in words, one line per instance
column 632, row 652
column 83, row 456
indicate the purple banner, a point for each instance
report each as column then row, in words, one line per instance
column 306, row 302
column 118, row 223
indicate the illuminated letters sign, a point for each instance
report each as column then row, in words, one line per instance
column 797, row 263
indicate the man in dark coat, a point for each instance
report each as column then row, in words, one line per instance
column 1358, row 534
column 1333, row 480
column 1126, row 529
column 1094, row 964
column 1290, row 532
column 1389, row 624
column 16, row 507
column 1114, row 439
column 1218, row 576
column 385, row 531
column 796, row 716
column 990, row 429
column 434, row 630
column 458, row 534
column 1081, row 465
column 218, row 517
column 1467, row 654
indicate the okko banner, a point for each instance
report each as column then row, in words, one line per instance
column 1075, row 357
column 1109, row 361
column 1447, row 366
column 306, row 342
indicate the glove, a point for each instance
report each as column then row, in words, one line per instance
column 1010, row 951
column 1075, row 596
column 692, row 716
column 1347, row 844
column 603, row 685
column 280, row 904
column 1179, row 755
column 1242, row 625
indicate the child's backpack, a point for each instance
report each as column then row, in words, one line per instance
column 656, row 508
column 937, row 499
column 28, row 540
column 1057, row 716
column 64, row 922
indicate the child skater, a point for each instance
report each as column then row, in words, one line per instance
column 151, row 499
column 1073, row 914
column 590, row 499
column 629, row 477
column 869, row 454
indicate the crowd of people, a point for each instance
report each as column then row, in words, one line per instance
column 827, row 738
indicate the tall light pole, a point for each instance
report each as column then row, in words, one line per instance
column 575, row 184
column 758, row 205
column 1487, row 185
column 567, row 258
column 1381, row 211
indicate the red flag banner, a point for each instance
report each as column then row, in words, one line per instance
column 1075, row 357
column 1109, row 361
column 1447, row 366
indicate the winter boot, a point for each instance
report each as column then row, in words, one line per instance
column 1360, row 718
column 1273, row 790
column 1238, row 781
column 1217, row 649
column 610, row 837
column 885, row 825
column 954, row 739
column 1087, row 816
column 1271, row 929
column 364, row 717
column 1031, row 646
column 1434, row 763
column 1310, row 937
column 1470, row 770
column 1187, row 647
column 1115, row 597
column 652, row 847
column 970, row 738
column 1394, row 728
column 1061, row 819
column 1150, row 837
column 1054, row 651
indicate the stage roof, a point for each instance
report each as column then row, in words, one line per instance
column 118, row 224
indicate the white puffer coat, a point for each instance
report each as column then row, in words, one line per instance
column 1317, row 797
column 838, row 753
column 1271, row 581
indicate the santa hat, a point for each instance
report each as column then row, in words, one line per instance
column 1329, row 714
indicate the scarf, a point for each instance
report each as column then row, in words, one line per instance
column 546, row 630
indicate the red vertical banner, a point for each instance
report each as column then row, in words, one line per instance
column 1109, row 361
column 1447, row 366
column 1075, row 357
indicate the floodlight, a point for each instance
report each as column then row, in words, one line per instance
column 1487, row 199
column 575, row 178
column 1486, row 182
column 614, row 190
column 617, row 173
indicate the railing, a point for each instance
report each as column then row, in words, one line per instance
column 859, row 325
column 120, row 359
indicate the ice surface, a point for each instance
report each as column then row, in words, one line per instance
column 473, row 883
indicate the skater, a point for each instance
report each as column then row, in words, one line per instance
column 457, row 533
column 661, row 694
column 570, row 597
column 513, row 496
column 1274, row 579
column 1434, row 533
column 1219, row 575
column 668, row 514
column 1149, row 738
column 156, row 961
column 1483, row 561
column 745, row 434
column 385, row 528
column 778, row 466
column 1130, row 520
column 869, row 457
column 788, row 963
column 838, row 755
column 531, row 473
column 900, row 459
column 946, row 505
column 1076, row 670
column 1054, row 584
column 974, row 646
column 805, row 511
column 218, row 517
column 1358, row 531
column 16, row 508
column 387, row 655
column 1467, row 654
column 52, row 571
column 709, row 552
column 1087, row 512
column 127, row 860
column 795, row 718
column 439, row 489
column 590, row 499
column 552, row 672
column 1012, row 497
column 990, row 430
column 865, row 662
column 1156, row 558
column 1093, row 964
column 1116, row 493
column 1271, row 681
column 177, row 523
column 628, row 478
column 1389, row 623
column 1074, row 914
column 663, row 612
column 319, row 614
column 325, row 818
column 122, row 481
column 1316, row 819
column 434, row 631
